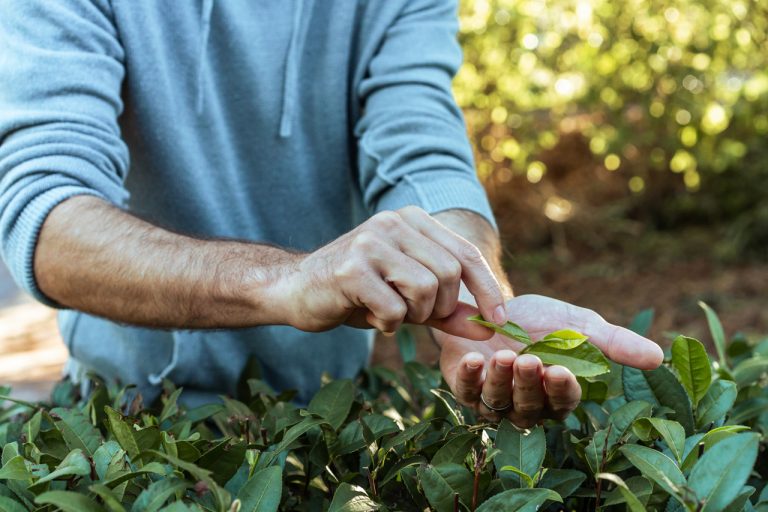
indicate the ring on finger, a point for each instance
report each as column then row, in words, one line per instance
column 495, row 409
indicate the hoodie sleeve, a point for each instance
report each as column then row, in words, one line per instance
column 62, row 69
column 413, row 147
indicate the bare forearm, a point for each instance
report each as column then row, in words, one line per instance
column 96, row 258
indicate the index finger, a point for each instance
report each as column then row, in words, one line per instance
column 475, row 271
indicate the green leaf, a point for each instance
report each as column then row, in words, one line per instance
column 333, row 402
column 440, row 483
column 289, row 437
column 525, row 452
column 400, row 465
column 519, row 500
column 75, row 463
column 656, row 466
column 455, row 450
column 379, row 425
column 750, row 371
column 640, row 486
column 716, row 403
column 717, row 478
column 116, row 478
column 642, row 322
column 406, row 435
column 671, row 431
column 565, row 339
column 103, row 457
column 262, row 492
column 585, row 360
column 510, row 329
column 9, row 505
column 221, row 496
column 623, row 417
column 563, row 481
column 123, row 433
column 406, row 344
column 155, row 496
column 351, row 498
column 595, row 391
column 718, row 335
column 524, row 477
column 690, row 359
column 223, row 460
column 15, row 469
column 737, row 505
column 77, row 430
column 170, row 406
column 659, row 387
column 707, row 441
column 633, row 503
column 108, row 496
column 69, row 501
column 32, row 427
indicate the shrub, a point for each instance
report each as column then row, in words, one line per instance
column 686, row 436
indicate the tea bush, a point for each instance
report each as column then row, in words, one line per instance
column 653, row 85
column 689, row 435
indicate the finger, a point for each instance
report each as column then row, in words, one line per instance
column 497, row 388
column 563, row 391
column 476, row 273
column 437, row 260
column 458, row 325
column 386, row 308
column 414, row 282
column 622, row 345
column 542, row 315
column 469, row 378
column 527, row 391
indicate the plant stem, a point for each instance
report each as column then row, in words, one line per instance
column 479, row 463
column 599, row 484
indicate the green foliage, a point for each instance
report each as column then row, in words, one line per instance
column 652, row 84
column 391, row 443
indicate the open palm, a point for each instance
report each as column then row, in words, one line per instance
column 532, row 392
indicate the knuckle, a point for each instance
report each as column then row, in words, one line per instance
column 449, row 273
column 365, row 242
column 471, row 254
column 527, row 407
column 426, row 286
column 412, row 210
column 348, row 270
column 386, row 220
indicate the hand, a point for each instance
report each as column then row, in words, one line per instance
column 396, row 267
column 534, row 392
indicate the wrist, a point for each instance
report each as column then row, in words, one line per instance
column 259, row 279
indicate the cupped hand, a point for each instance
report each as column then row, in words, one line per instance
column 492, row 369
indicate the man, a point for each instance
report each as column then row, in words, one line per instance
column 260, row 133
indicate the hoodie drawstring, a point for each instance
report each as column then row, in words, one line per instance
column 205, row 22
column 157, row 378
column 291, row 79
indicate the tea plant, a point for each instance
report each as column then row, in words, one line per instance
column 689, row 435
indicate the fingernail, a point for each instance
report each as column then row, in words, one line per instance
column 503, row 364
column 500, row 315
column 474, row 365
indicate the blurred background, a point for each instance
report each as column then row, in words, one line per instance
column 624, row 145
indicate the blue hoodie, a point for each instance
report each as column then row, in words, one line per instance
column 283, row 121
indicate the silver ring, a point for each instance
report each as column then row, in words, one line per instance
column 495, row 409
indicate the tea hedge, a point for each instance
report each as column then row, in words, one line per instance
column 690, row 435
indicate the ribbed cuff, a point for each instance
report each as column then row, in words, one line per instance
column 27, row 231
column 439, row 192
